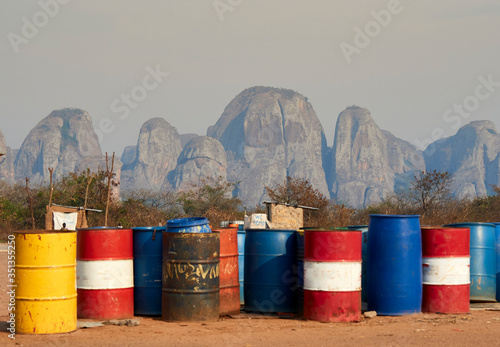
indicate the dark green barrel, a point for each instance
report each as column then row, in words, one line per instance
column 190, row 276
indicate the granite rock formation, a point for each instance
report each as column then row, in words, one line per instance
column 367, row 163
column 202, row 158
column 59, row 141
column 269, row 133
column 157, row 150
column 472, row 155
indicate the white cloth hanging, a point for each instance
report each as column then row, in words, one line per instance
column 70, row 218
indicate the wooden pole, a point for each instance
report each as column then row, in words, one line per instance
column 89, row 181
column 51, row 170
column 30, row 198
column 110, row 175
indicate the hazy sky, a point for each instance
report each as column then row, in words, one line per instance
column 422, row 68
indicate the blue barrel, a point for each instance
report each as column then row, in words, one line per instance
column 394, row 273
column 148, row 252
column 270, row 276
column 300, row 272
column 497, row 244
column 364, row 257
column 241, row 261
column 483, row 261
column 188, row 225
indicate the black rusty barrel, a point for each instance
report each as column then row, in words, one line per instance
column 190, row 276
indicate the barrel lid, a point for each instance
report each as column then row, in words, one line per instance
column 104, row 229
column 396, row 215
column 43, row 231
column 469, row 224
column 186, row 222
column 158, row 228
column 273, row 230
column 332, row 229
column 357, row 226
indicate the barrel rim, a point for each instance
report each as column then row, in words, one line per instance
column 46, row 232
column 465, row 224
column 358, row 226
column 396, row 215
column 186, row 222
column 441, row 227
column 158, row 228
column 333, row 229
column 104, row 229
column 271, row 230
column 223, row 229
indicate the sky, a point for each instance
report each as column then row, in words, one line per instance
column 422, row 68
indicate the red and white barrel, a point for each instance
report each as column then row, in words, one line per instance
column 332, row 275
column 445, row 269
column 105, row 273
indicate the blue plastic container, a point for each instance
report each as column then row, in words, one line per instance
column 394, row 272
column 188, row 225
column 483, row 261
column 497, row 247
column 364, row 257
column 270, row 276
column 241, row 261
column 148, row 252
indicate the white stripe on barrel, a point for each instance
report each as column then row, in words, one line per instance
column 332, row 276
column 446, row 271
column 105, row 274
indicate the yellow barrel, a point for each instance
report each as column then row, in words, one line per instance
column 45, row 282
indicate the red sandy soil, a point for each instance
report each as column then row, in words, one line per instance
column 479, row 328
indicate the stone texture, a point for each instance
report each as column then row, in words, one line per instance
column 361, row 174
column 6, row 160
column 158, row 147
column 368, row 163
column 405, row 160
column 128, row 155
column 202, row 157
column 59, row 141
column 472, row 155
column 269, row 133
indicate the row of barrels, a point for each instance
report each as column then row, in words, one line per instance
column 399, row 267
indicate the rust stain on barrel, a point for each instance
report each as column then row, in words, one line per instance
column 190, row 276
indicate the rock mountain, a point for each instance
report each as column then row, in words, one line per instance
column 60, row 141
column 6, row 160
column 368, row 163
column 156, row 153
column 472, row 155
column 263, row 135
column 269, row 133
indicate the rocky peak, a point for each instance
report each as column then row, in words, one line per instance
column 158, row 147
column 202, row 157
column 7, row 156
column 269, row 133
column 369, row 163
column 472, row 155
column 361, row 171
column 59, row 141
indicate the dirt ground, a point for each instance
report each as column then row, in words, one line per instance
column 480, row 327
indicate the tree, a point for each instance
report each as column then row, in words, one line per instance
column 212, row 199
column 297, row 191
column 430, row 188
